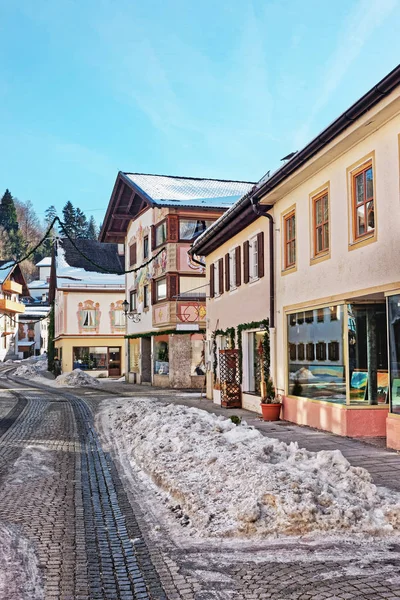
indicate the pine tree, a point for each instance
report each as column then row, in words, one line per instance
column 81, row 224
column 92, row 233
column 47, row 246
column 69, row 219
column 50, row 214
column 8, row 213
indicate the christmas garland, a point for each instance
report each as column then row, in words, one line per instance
column 135, row 336
column 230, row 334
column 264, row 324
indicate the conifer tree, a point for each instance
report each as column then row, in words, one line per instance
column 8, row 213
column 69, row 219
column 92, row 229
column 81, row 224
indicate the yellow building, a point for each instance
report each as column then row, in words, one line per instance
column 12, row 287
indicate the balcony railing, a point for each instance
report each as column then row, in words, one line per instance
column 7, row 305
column 12, row 286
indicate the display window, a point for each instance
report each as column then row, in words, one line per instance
column 393, row 308
column 161, row 355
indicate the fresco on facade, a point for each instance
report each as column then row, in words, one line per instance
column 88, row 316
column 117, row 317
column 186, row 263
column 191, row 312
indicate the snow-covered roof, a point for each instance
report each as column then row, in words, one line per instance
column 74, row 270
column 38, row 284
column 35, row 311
column 190, row 191
column 6, row 269
column 45, row 262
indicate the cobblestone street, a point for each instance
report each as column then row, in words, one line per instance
column 89, row 531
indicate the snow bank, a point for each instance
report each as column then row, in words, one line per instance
column 31, row 369
column 226, row 480
column 76, row 378
column 19, row 575
column 34, row 462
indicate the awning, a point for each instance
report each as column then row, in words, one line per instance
column 23, row 344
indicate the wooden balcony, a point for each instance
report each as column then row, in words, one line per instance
column 11, row 306
column 185, row 312
column 12, row 287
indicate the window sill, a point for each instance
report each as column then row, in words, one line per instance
column 254, row 280
column 320, row 257
column 363, row 241
column 289, row 270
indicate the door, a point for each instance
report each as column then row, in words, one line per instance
column 146, row 360
column 114, row 362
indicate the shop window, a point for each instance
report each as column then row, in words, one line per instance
column 255, row 365
column 197, row 355
column 320, row 351
column 318, row 371
column 90, row 358
column 161, row 289
column 146, row 247
column 161, row 233
column 289, row 225
column 333, row 351
column 363, row 201
column 394, row 351
column 189, row 229
column 161, row 355
column 321, row 223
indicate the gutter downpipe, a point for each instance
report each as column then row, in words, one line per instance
column 263, row 212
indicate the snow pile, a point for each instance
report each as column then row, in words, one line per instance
column 76, row 378
column 228, row 480
column 31, row 369
column 33, row 463
column 19, row 576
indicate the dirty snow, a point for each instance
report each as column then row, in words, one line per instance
column 31, row 369
column 76, row 378
column 223, row 480
column 34, row 462
column 19, row 575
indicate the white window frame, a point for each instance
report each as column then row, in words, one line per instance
column 217, row 291
column 160, row 281
column 253, row 259
column 90, row 315
column 232, row 269
column 119, row 318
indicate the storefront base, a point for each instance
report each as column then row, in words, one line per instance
column 251, row 402
column 393, row 431
column 65, row 346
column 368, row 421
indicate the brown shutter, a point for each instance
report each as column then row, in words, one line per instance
column 260, row 254
column 153, row 291
column 212, row 281
column 132, row 254
column 153, row 236
column 238, row 266
column 246, row 250
column 172, row 228
column 172, row 286
column 221, row 275
column 227, row 272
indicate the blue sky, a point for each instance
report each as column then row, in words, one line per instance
column 205, row 89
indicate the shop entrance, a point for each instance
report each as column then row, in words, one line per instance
column 114, row 362
column 146, row 360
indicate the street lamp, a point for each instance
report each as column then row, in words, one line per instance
column 133, row 315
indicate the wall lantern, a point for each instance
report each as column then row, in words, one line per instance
column 133, row 315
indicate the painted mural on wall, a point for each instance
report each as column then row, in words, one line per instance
column 26, row 331
column 117, row 317
column 186, row 263
column 191, row 312
column 157, row 268
column 88, row 316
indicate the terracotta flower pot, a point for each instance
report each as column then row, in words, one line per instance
column 271, row 412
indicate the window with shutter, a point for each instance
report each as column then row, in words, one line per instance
column 321, row 351
column 212, row 281
column 132, row 254
column 333, row 351
column 221, row 275
column 238, row 266
column 260, row 252
column 246, row 248
column 173, row 228
column 227, row 273
column 310, row 351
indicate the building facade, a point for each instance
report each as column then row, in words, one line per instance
column 13, row 288
column 87, row 291
column 157, row 218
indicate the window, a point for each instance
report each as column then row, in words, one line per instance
column 145, row 296
column 363, row 201
column 253, row 249
column 119, row 318
column 161, row 233
column 161, row 355
column 90, row 358
column 310, row 351
column 89, row 318
column 333, row 312
column 161, row 289
column 232, row 270
column 217, row 278
column 133, row 300
column 321, row 223
column 146, row 246
column 132, row 254
column 289, row 224
column 189, row 229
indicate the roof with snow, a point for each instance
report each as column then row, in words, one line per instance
column 133, row 192
column 7, row 267
column 88, row 263
column 45, row 262
column 38, row 284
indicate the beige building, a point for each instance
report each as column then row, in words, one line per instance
column 12, row 288
column 87, row 287
column 335, row 356
column 157, row 217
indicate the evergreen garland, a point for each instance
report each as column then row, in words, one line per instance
column 136, row 336
column 265, row 345
column 230, row 334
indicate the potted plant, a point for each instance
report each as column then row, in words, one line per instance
column 270, row 405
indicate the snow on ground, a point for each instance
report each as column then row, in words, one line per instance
column 33, row 462
column 76, row 378
column 31, row 369
column 223, row 480
column 19, row 573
